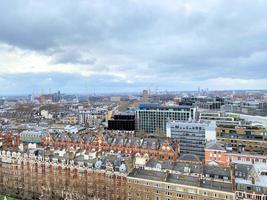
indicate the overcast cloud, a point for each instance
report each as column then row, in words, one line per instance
column 129, row 45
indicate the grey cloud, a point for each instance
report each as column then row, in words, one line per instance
column 73, row 57
column 157, row 38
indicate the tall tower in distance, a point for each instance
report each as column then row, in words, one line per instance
column 145, row 96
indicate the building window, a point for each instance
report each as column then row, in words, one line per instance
column 168, row 193
column 258, row 197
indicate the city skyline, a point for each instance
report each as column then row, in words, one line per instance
column 128, row 46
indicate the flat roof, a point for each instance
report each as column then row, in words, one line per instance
column 157, row 106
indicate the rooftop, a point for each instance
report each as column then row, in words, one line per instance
column 148, row 174
column 162, row 107
column 181, row 179
column 189, row 157
column 214, row 145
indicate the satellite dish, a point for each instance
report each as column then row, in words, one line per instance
column 123, row 168
column 158, row 166
column 98, row 164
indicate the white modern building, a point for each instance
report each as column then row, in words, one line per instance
column 220, row 117
column 152, row 118
column 192, row 136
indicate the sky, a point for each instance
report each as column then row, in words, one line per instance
column 86, row 46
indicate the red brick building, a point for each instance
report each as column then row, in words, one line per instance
column 164, row 149
column 216, row 154
column 8, row 139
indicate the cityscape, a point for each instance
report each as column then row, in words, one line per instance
column 188, row 145
column 133, row 100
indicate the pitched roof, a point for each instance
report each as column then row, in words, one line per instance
column 215, row 146
column 189, row 157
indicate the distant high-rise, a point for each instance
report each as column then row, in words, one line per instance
column 145, row 96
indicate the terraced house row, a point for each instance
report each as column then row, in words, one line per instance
column 166, row 149
column 110, row 176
